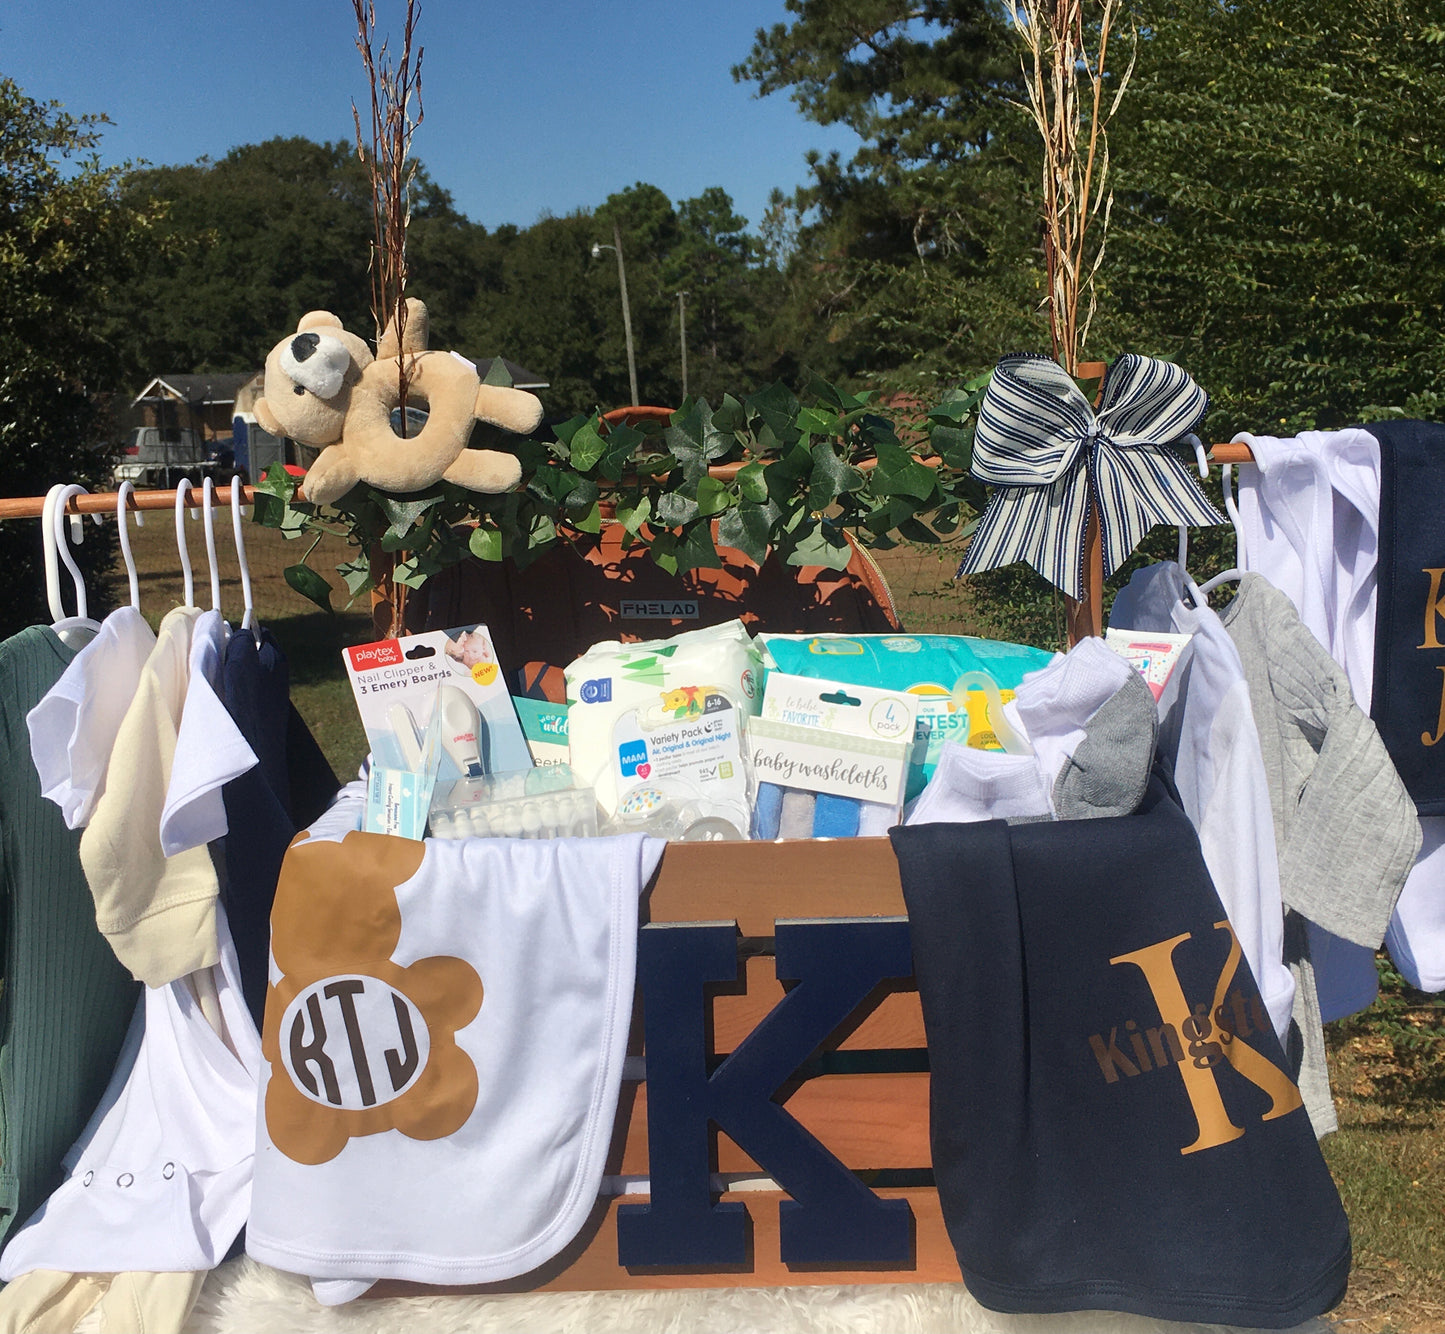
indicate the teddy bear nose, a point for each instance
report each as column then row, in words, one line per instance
column 303, row 345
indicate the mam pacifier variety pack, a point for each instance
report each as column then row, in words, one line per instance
column 657, row 728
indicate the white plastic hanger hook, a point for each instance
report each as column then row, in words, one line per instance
column 52, row 554
column 62, row 495
column 183, row 491
column 249, row 617
column 208, row 511
column 122, row 498
column 1226, row 480
column 1201, row 456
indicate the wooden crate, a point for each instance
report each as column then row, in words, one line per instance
column 861, row 1094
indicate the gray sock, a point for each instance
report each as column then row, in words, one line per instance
column 1109, row 771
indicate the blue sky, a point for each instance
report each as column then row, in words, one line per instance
column 542, row 106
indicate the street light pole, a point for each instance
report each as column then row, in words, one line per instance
column 682, row 335
column 597, row 249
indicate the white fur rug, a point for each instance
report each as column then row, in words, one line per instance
column 244, row 1297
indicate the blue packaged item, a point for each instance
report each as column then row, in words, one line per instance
column 928, row 666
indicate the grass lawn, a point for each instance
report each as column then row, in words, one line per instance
column 1387, row 1066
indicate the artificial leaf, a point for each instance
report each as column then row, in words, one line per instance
column 729, row 415
column 814, row 421
column 684, row 440
column 588, row 446
column 633, row 514
column 309, row 584
column 899, row 473
column 662, row 550
column 824, row 546
column 830, row 476
column 564, row 431
column 590, row 521
column 697, row 550
column 953, row 445
column 675, row 509
column 751, row 485
column 357, row 575
column 747, row 527
column 777, row 406
column 486, row 543
column 713, row 496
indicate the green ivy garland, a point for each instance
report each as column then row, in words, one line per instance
column 806, row 468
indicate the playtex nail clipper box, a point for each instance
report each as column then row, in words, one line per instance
column 399, row 683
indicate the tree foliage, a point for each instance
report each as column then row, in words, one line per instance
column 68, row 241
column 1282, row 234
column 916, row 256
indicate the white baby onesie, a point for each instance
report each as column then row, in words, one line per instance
column 1209, row 737
column 160, row 1179
column 73, row 729
column 210, row 749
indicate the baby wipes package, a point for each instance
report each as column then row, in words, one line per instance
column 926, row 666
column 399, row 684
column 667, row 715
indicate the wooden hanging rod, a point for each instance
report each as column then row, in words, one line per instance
column 1231, row 453
column 103, row 502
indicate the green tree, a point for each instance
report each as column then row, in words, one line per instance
column 68, row 241
column 916, row 256
column 715, row 263
column 257, row 238
column 1279, row 226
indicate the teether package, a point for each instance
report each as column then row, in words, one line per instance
column 399, row 683
column 657, row 728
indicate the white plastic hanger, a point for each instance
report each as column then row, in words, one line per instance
column 78, row 630
column 122, row 496
column 248, row 619
column 208, row 513
column 183, row 492
column 1201, row 460
column 1227, row 481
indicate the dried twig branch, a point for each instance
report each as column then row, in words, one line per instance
column 1076, row 203
column 395, row 94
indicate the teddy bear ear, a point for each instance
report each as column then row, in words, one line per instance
column 317, row 319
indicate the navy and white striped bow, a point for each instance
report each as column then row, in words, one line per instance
column 1042, row 445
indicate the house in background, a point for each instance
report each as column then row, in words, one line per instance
column 176, row 403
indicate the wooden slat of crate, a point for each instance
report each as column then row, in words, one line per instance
column 756, row 884
column 896, row 1022
column 868, row 1121
column 590, row 1263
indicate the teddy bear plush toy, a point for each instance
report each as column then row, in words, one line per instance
column 323, row 388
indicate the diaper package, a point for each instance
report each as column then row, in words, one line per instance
column 667, row 716
column 926, row 666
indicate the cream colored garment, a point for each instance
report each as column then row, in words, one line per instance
column 47, row 1302
column 158, row 912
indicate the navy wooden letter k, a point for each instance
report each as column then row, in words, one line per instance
column 833, row 1218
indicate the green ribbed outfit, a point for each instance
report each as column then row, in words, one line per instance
column 66, row 1000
